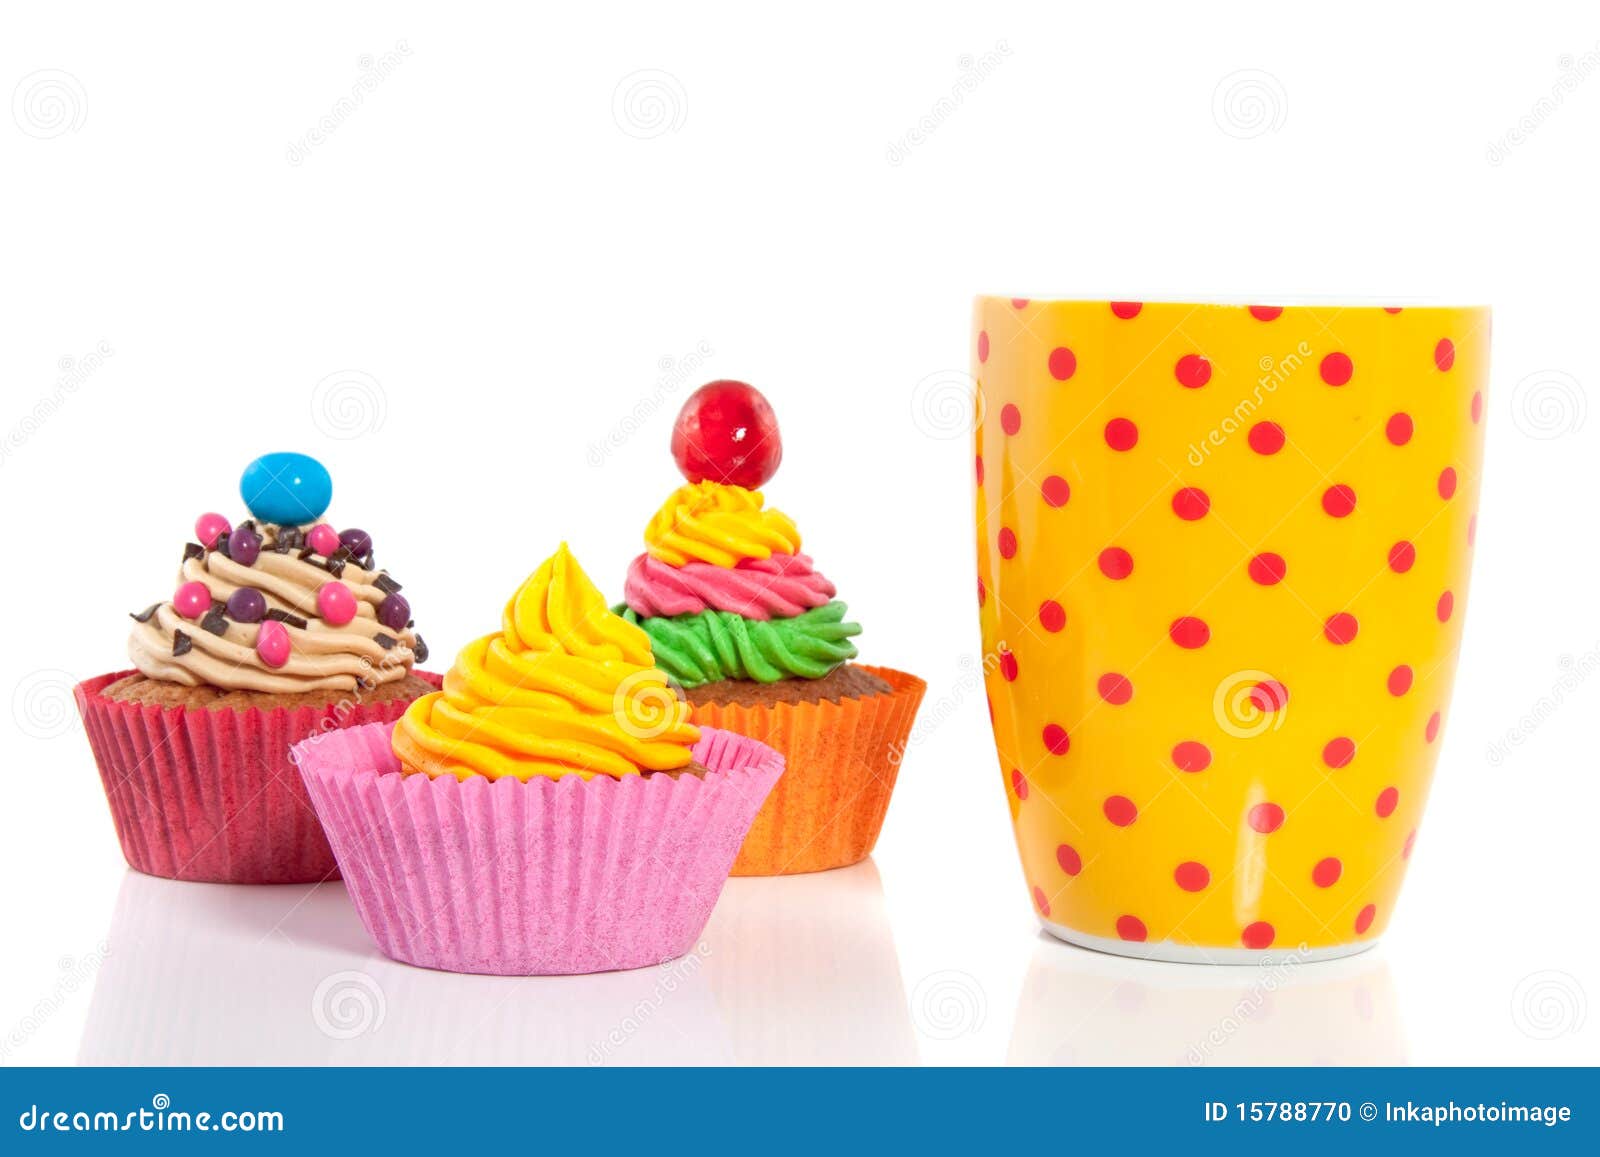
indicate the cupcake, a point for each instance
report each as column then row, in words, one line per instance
column 552, row 810
column 744, row 623
column 280, row 628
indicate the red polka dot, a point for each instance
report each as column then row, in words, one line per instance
column 1338, row 501
column 1019, row 784
column 1119, row 810
column 1192, row 876
column 1477, row 407
column 1327, row 872
column 1399, row 429
column 1268, row 569
column 1341, row 628
column 1056, row 739
column 1388, row 800
column 1266, row 818
column 1266, row 312
column 1400, row 680
column 1431, row 732
column 1336, row 369
column 1447, row 605
column 1040, row 901
column 1121, row 434
column 1269, row 695
column 1411, row 842
column 1364, row 918
column 1191, row 755
column 983, row 593
column 1051, row 616
column 1116, row 563
column 1115, row 689
column 1191, row 504
column 1189, row 633
column 1126, row 309
column 1392, row 309
column 1444, row 354
column 1472, row 531
column 1402, row 557
column 1338, row 752
column 1447, row 482
column 1055, row 490
column 1010, row 418
column 983, row 345
column 1063, row 363
column 1019, row 303
column 1192, row 371
column 980, row 469
column 1008, row 666
column 1131, row 928
column 1008, row 542
column 1266, row 437
column 1067, row 856
column 1259, row 935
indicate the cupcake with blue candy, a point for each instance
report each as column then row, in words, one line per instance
column 281, row 626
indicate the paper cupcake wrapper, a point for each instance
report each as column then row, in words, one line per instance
column 536, row 877
column 210, row 795
column 842, row 760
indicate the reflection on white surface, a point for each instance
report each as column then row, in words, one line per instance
column 1086, row 1008
column 788, row 971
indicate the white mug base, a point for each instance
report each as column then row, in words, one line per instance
column 1192, row 954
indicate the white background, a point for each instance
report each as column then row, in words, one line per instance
column 480, row 299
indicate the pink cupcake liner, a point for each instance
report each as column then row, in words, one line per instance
column 537, row 877
column 210, row 795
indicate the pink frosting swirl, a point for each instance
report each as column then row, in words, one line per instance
column 781, row 586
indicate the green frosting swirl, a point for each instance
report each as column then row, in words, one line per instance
column 713, row 645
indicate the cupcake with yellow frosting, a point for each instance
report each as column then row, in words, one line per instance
column 742, row 621
column 552, row 810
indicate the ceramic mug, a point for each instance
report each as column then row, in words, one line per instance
column 1222, row 568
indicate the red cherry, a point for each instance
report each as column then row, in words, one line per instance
column 727, row 432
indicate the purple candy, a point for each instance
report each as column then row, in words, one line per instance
column 244, row 546
column 359, row 542
column 394, row 612
column 247, row 605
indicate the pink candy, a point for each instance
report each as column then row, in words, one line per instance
column 272, row 643
column 192, row 600
column 323, row 539
column 210, row 527
column 336, row 603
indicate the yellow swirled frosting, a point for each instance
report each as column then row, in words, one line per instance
column 565, row 688
column 719, row 524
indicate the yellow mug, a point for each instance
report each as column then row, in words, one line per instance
column 1223, row 554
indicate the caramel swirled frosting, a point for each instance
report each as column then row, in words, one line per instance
column 564, row 688
column 279, row 609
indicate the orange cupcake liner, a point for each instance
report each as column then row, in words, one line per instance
column 842, row 759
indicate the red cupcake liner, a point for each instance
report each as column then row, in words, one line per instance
column 210, row 795
column 538, row 877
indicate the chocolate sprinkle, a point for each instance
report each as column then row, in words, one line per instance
column 286, row 618
column 222, row 546
column 384, row 641
column 367, row 562
column 144, row 615
column 386, row 584
column 193, row 550
column 215, row 622
column 182, row 644
column 306, row 553
column 420, row 650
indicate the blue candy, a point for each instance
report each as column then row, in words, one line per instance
column 286, row 488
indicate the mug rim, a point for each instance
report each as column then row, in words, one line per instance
column 1285, row 301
